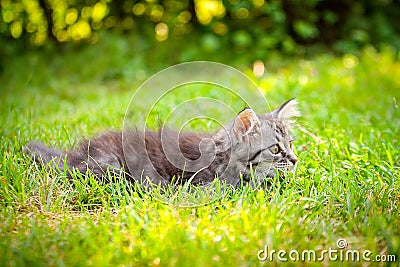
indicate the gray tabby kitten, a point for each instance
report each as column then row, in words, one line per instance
column 250, row 144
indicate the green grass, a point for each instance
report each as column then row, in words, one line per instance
column 346, row 184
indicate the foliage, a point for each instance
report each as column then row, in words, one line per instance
column 346, row 185
column 258, row 25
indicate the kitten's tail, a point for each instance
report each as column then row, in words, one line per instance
column 43, row 154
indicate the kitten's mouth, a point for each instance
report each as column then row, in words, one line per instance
column 275, row 171
column 280, row 170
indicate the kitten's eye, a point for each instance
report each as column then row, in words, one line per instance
column 275, row 149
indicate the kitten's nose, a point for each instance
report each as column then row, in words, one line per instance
column 293, row 160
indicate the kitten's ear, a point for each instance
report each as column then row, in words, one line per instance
column 246, row 122
column 287, row 111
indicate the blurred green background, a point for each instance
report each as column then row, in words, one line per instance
column 219, row 30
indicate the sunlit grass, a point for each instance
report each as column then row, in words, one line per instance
column 346, row 184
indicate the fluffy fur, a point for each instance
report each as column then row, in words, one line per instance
column 250, row 143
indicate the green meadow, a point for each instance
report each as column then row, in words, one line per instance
column 346, row 186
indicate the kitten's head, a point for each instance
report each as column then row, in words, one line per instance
column 262, row 143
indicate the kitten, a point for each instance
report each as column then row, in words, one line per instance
column 251, row 144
